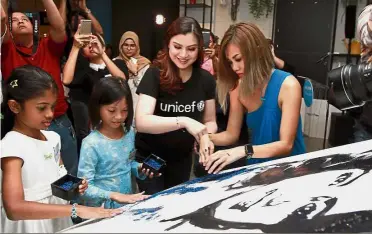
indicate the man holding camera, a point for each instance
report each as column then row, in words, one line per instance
column 363, row 126
column 21, row 46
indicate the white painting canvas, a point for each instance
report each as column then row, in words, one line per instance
column 324, row 191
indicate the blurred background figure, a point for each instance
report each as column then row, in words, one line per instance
column 129, row 52
column 211, row 56
column 280, row 63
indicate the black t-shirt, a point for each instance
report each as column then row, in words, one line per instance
column 190, row 102
column 85, row 77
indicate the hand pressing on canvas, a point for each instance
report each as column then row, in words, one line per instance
column 206, row 149
column 219, row 160
column 128, row 198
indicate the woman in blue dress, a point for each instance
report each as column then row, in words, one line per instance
column 269, row 100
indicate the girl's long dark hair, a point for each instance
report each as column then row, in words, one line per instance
column 25, row 83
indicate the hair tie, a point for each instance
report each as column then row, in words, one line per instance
column 14, row 83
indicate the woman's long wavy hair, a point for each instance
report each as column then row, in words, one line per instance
column 257, row 57
column 170, row 81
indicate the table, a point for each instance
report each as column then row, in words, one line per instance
column 324, row 191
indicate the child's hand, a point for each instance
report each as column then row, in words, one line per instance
column 83, row 187
column 85, row 212
column 128, row 198
column 147, row 172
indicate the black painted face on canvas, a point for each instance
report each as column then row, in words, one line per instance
column 276, row 201
column 307, row 196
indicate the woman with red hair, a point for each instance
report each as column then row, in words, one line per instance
column 176, row 106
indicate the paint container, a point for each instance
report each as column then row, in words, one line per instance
column 154, row 163
column 67, row 187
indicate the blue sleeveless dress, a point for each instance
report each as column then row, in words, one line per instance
column 264, row 123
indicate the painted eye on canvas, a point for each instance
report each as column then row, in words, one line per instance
column 341, row 179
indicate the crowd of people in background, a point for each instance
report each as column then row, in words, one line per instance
column 228, row 105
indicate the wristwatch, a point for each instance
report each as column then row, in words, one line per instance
column 88, row 11
column 248, row 150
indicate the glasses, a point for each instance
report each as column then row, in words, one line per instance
column 129, row 46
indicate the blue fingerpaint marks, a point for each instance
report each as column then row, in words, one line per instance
column 146, row 213
column 146, row 210
column 187, row 188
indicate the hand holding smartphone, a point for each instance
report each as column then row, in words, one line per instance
column 86, row 27
column 134, row 60
column 206, row 39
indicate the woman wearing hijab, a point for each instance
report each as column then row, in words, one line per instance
column 129, row 50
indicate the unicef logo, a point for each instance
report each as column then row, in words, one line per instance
column 200, row 106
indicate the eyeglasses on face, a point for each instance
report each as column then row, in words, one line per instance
column 129, row 46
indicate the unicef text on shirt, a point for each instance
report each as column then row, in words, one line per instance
column 182, row 108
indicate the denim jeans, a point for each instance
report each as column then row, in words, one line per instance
column 62, row 125
column 360, row 133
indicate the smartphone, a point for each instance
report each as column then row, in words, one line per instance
column 134, row 60
column 86, row 27
column 206, row 39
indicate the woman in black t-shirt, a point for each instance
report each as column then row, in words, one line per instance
column 176, row 106
column 86, row 64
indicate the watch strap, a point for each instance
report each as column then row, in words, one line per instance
column 248, row 150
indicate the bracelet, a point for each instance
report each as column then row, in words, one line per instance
column 88, row 11
column 74, row 211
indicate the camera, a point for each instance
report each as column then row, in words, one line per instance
column 350, row 86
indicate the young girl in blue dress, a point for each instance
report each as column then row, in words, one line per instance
column 105, row 153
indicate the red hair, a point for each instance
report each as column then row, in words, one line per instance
column 170, row 81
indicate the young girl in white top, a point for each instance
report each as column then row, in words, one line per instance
column 30, row 158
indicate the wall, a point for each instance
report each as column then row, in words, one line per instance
column 340, row 30
column 139, row 16
column 102, row 10
column 222, row 19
